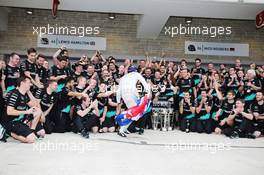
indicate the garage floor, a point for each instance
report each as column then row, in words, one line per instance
column 154, row 153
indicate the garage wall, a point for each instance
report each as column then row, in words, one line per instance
column 121, row 35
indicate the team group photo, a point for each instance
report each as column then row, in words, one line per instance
column 122, row 87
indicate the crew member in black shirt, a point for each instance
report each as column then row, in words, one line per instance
column 224, row 111
column 29, row 68
column 22, row 113
column 197, row 71
column 87, row 116
column 59, row 72
column 203, row 110
column 46, row 97
column 43, row 71
column 240, row 122
column 63, row 107
column 250, row 86
column 12, row 73
column 185, row 83
column 231, row 81
column 187, row 113
column 257, row 109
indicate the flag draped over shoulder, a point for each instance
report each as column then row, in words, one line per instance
column 134, row 113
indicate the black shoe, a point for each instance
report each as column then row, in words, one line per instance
column 250, row 136
column 234, row 135
column 141, row 131
column 85, row 133
column 3, row 139
column 121, row 134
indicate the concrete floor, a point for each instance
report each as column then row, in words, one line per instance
column 153, row 153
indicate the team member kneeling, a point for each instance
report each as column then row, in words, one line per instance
column 22, row 113
column 239, row 122
column 87, row 116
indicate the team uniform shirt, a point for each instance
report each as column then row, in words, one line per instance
column 43, row 74
column 239, row 118
column 105, row 80
column 255, row 107
column 76, row 76
column 98, row 67
column 216, row 104
column 88, row 121
column 80, row 108
column 46, row 99
column 239, row 68
column 65, row 101
column 55, row 71
column 209, row 72
column 187, row 114
column 115, row 75
column 234, row 86
column 185, row 85
column 111, row 110
column 19, row 102
column 226, row 108
column 87, row 75
column 249, row 93
column 202, row 88
column 12, row 74
column 158, row 84
column 92, row 93
column 102, row 102
column 148, row 78
column 169, row 91
column 197, row 74
column 110, row 84
column 203, row 115
column 223, row 72
column 113, row 99
column 32, row 68
column 77, row 100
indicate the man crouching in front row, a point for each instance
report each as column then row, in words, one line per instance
column 22, row 113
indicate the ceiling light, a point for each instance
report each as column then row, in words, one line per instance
column 112, row 16
column 29, row 11
column 188, row 20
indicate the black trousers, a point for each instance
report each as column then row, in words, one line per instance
column 62, row 122
column 243, row 128
column 259, row 126
column 86, row 122
column 148, row 121
column 204, row 126
column 49, row 124
column 140, row 123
